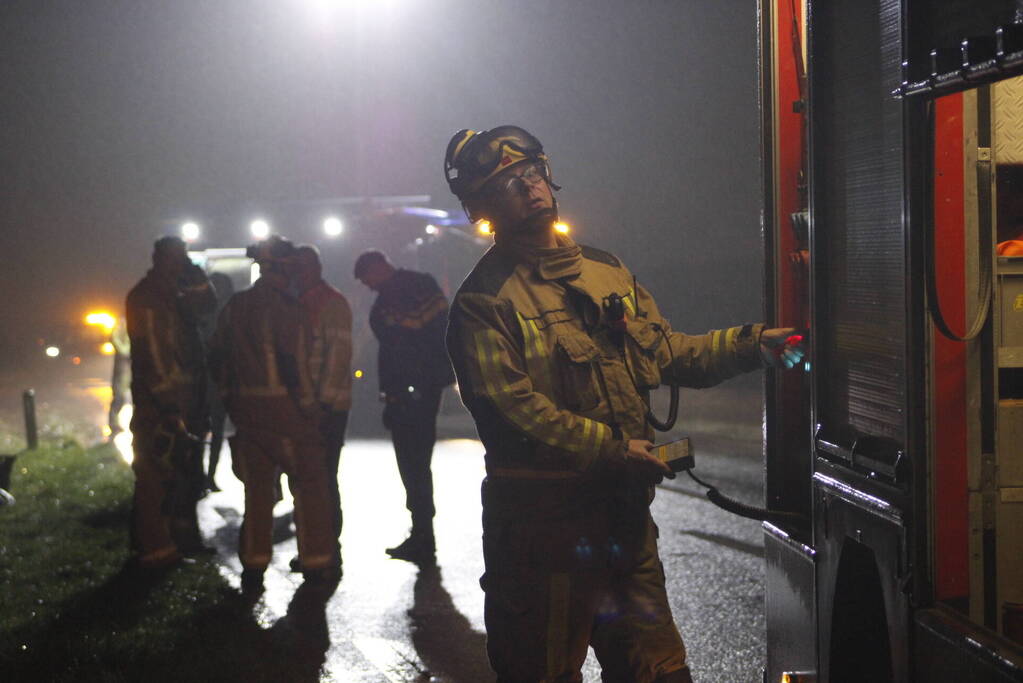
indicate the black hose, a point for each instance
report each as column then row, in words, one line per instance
column 986, row 258
column 672, row 413
column 669, row 423
column 793, row 519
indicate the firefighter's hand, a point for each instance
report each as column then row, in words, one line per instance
column 638, row 458
column 783, row 347
column 174, row 424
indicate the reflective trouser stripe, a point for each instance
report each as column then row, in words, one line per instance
column 557, row 625
column 258, row 458
column 309, row 534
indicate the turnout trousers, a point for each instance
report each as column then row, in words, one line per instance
column 164, row 519
column 412, row 420
column 151, row 525
column 257, row 458
column 333, row 430
column 557, row 585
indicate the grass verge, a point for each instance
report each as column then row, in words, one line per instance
column 74, row 611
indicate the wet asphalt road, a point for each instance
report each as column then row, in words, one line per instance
column 391, row 622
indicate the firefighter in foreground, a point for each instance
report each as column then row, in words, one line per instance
column 258, row 358
column 408, row 319
column 557, row 383
column 329, row 321
column 168, row 388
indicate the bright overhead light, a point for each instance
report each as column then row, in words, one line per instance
column 561, row 227
column 107, row 349
column 190, row 231
column 484, row 228
column 260, row 229
column 332, row 226
column 432, row 230
column 52, row 351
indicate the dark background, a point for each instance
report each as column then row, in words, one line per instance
column 120, row 119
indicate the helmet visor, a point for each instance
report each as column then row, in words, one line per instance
column 489, row 153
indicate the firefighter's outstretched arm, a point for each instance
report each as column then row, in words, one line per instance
column 701, row 360
column 485, row 346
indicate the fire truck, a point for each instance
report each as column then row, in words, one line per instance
column 893, row 167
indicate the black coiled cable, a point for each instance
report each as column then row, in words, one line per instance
column 793, row 519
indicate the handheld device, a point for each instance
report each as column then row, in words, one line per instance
column 675, row 454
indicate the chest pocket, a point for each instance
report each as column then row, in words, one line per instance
column 641, row 347
column 575, row 359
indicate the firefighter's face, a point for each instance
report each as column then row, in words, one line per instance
column 519, row 197
column 171, row 260
column 376, row 274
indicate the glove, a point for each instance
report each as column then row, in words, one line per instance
column 783, row 346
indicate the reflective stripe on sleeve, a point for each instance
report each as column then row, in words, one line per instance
column 538, row 359
column 572, row 432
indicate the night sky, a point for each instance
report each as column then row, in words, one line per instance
column 119, row 119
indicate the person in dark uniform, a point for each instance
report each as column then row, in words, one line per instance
column 409, row 318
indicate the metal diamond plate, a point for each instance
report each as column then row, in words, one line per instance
column 1008, row 121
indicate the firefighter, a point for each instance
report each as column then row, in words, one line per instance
column 120, row 377
column 329, row 321
column 557, row 381
column 258, row 360
column 408, row 319
column 168, row 391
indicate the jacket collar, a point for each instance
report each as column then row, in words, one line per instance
column 549, row 263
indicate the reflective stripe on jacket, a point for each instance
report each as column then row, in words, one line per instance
column 167, row 359
column 259, row 350
column 551, row 386
column 330, row 345
column 408, row 318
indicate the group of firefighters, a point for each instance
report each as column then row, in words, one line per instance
column 555, row 347
column 279, row 357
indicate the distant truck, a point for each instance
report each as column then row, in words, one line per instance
column 416, row 237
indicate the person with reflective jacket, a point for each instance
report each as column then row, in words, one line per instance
column 408, row 318
column 555, row 347
column 329, row 321
column 168, row 391
column 258, row 360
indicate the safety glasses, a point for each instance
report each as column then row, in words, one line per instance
column 519, row 183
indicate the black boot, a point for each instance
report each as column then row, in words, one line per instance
column 418, row 547
column 252, row 581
